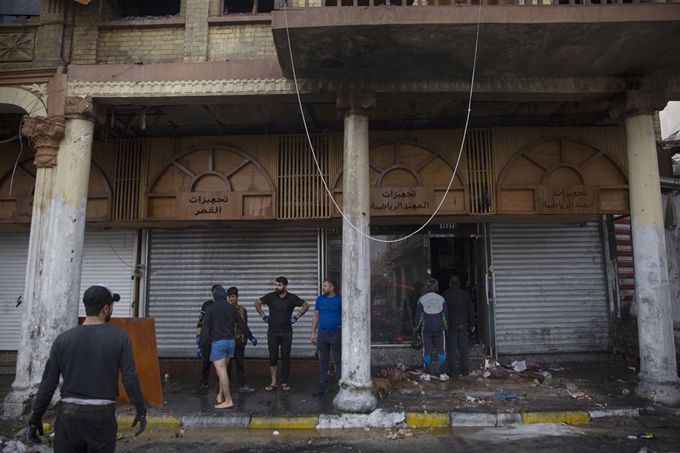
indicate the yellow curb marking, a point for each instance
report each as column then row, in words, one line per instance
column 163, row 420
column 284, row 422
column 418, row 420
column 529, row 418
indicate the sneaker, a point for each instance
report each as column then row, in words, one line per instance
column 443, row 377
column 321, row 389
column 425, row 377
column 246, row 389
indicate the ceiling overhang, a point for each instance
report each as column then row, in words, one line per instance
column 631, row 40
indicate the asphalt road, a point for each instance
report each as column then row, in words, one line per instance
column 610, row 435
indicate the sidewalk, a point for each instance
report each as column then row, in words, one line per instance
column 576, row 394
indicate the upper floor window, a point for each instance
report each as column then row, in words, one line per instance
column 246, row 6
column 121, row 9
column 19, row 11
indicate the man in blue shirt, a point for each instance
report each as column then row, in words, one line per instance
column 328, row 318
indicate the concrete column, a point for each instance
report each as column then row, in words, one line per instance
column 658, row 372
column 52, row 291
column 355, row 383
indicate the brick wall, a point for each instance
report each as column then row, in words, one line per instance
column 156, row 45
column 86, row 33
column 241, row 42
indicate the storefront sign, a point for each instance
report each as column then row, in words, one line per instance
column 402, row 201
column 567, row 199
column 206, row 205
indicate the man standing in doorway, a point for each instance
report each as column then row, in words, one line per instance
column 462, row 319
column 218, row 331
column 240, row 349
column 205, row 369
column 281, row 304
column 328, row 318
column 432, row 319
column 89, row 357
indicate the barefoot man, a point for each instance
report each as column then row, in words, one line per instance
column 218, row 331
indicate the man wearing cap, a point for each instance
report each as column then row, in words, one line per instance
column 89, row 357
column 462, row 316
column 218, row 331
column 240, row 348
column 432, row 319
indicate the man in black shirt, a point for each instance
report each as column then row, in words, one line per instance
column 89, row 358
column 218, row 330
column 205, row 370
column 461, row 318
column 281, row 304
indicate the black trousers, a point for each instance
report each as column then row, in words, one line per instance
column 284, row 340
column 240, row 359
column 85, row 429
column 205, row 370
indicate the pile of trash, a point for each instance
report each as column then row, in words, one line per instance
column 517, row 371
column 17, row 446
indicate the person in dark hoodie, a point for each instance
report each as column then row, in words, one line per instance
column 432, row 319
column 218, row 332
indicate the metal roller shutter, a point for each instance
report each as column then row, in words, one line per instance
column 107, row 258
column 14, row 250
column 183, row 266
column 550, row 289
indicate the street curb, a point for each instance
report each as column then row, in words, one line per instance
column 570, row 417
column 432, row 420
column 260, row 422
column 166, row 421
column 380, row 418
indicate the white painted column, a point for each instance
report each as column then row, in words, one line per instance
column 658, row 372
column 355, row 383
column 52, row 291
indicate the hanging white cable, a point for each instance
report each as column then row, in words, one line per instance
column 316, row 162
column 16, row 163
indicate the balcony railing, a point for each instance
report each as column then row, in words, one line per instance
column 279, row 4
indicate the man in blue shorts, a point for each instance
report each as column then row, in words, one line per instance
column 328, row 318
column 218, row 332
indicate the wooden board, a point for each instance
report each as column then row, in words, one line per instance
column 142, row 332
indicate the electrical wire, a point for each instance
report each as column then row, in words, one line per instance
column 316, row 162
column 16, row 163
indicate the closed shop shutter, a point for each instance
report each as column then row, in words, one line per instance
column 550, row 289
column 107, row 258
column 183, row 266
column 13, row 249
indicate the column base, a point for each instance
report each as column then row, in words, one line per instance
column 18, row 403
column 666, row 392
column 356, row 399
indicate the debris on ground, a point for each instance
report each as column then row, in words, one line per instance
column 503, row 396
column 579, row 395
column 399, row 434
column 642, row 436
column 381, row 387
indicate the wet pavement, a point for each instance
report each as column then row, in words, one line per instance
column 575, row 386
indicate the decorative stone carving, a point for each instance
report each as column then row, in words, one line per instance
column 16, row 46
column 638, row 102
column 84, row 108
column 40, row 90
column 46, row 134
column 355, row 103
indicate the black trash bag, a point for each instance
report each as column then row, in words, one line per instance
column 417, row 342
